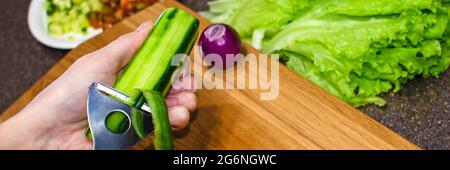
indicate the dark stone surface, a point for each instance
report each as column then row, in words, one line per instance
column 197, row 5
column 420, row 111
column 23, row 60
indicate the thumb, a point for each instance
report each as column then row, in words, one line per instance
column 118, row 53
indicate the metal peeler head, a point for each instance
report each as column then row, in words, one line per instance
column 102, row 101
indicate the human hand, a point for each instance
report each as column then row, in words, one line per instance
column 56, row 118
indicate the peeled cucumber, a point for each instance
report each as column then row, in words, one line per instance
column 150, row 71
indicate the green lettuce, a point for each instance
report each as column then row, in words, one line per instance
column 354, row 49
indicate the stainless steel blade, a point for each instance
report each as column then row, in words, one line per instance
column 113, row 92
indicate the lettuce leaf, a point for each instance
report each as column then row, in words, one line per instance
column 354, row 49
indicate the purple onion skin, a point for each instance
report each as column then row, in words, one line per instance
column 220, row 39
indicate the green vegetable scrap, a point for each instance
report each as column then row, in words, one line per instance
column 354, row 49
column 163, row 128
column 70, row 16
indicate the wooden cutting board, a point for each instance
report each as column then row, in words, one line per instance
column 304, row 116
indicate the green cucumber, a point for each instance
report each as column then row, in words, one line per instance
column 151, row 68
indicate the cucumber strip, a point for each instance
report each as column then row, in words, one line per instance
column 136, row 117
column 160, row 116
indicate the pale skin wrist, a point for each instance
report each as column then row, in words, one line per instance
column 18, row 133
column 29, row 128
column 32, row 129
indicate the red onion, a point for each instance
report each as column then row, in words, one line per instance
column 220, row 39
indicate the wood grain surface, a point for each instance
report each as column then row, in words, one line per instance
column 304, row 116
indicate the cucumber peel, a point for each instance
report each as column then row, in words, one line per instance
column 160, row 116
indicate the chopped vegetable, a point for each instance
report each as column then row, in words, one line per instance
column 77, row 16
column 354, row 49
column 221, row 40
column 70, row 16
column 116, row 10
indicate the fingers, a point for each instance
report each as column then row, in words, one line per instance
column 179, row 117
column 181, row 102
column 118, row 53
column 185, row 99
column 180, row 105
column 184, row 84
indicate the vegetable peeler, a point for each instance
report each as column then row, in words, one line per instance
column 103, row 101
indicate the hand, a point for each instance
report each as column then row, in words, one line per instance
column 56, row 118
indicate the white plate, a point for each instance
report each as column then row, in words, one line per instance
column 37, row 23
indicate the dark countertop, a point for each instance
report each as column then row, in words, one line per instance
column 420, row 112
column 23, row 60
